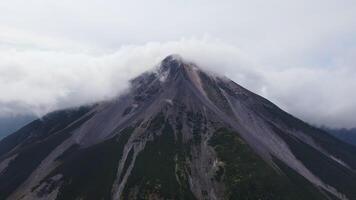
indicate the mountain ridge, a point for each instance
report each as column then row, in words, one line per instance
column 211, row 135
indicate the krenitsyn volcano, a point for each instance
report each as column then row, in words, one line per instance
column 178, row 133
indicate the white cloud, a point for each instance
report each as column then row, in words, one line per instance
column 299, row 54
column 322, row 96
column 40, row 81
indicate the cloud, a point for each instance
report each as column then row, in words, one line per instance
column 42, row 81
column 299, row 54
column 321, row 96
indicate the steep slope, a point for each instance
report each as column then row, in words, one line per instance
column 179, row 133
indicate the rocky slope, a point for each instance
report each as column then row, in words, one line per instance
column 179, row 133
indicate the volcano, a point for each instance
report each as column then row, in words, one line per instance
column 178, row 133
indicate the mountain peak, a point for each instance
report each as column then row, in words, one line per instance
column 178, row 133
column 171, row 66
column 173, row 57
column 172, row 63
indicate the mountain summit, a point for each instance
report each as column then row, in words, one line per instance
column 179, row 133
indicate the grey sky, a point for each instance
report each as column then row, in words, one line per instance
column 299, row 54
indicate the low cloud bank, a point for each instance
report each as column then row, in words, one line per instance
column 40, row 81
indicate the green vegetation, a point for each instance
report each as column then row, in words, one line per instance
column 196, row 121
column 90, row 173
column 248, row 177
column 154, row 172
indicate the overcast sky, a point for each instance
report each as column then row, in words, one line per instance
column 299, row 54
